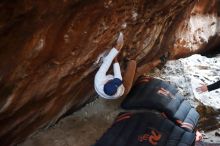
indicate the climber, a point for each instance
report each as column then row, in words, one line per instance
column 112, row 87
column 204, row 87
column 109, row 86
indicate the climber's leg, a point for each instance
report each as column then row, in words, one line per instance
column 129, row 76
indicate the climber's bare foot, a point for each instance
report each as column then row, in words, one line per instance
column 120, row 41
column 165, row 57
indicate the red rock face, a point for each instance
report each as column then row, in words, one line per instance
column 48, row 49
column 200, row 32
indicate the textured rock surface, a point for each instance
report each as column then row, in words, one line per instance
column 48, row 47
column 200, row 32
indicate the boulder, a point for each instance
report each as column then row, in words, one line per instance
column 48, row 49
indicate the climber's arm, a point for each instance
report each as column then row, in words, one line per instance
column 214, row 86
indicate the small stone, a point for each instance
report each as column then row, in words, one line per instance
column 217, row 134
column 212, row 23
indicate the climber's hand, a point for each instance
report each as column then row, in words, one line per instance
column 120, row 41
column 202, row 88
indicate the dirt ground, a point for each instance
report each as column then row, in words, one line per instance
column 82, row 128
